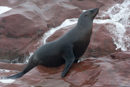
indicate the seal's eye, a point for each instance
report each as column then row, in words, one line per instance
column 86, row 15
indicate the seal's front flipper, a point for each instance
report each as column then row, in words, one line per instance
column 69, row 60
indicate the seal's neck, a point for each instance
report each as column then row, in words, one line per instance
column 85, row 24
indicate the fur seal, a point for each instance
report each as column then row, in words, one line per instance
column 66, row 49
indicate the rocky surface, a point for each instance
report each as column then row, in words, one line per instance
column 92, row 72
column 26, row 23
column 23, row 27
column 120, row 55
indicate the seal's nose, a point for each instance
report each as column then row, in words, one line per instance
column 96, row 9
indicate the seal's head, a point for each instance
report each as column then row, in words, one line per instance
column 88, row 15
column 91, row 13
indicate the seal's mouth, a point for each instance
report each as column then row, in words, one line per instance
column 95, row 12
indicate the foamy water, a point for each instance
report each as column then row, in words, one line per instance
column 4, row 70
column 119, row 22
column 66, row 23
column 27, row 58
column 7, row 80
column 4, row 9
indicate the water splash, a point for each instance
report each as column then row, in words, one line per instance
column 28, row 57
column 4, row 70
column 66, row 23
column 4, row 9
column 7, row 80
column 119, row 22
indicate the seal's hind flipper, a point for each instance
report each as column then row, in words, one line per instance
column 18, row 75
column 29, row 66
column 69, row 60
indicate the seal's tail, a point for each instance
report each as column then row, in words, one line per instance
column 29, row 66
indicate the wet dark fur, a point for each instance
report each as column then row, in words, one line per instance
column 66, row 49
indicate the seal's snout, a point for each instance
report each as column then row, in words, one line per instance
column 95, row 10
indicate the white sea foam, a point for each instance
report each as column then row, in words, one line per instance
column 27, row 59
column 4, row 9
column 7, row 80
column 4, row 70
column 12, row 1
column 67, row 22
column 119, row 20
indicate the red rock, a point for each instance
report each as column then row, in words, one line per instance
column 120, row 55
column 18, row 67
column 65, row 10
column 86, row 4
column 101, row 42
column 11, row 3
column 103, row 17
column 95, row 72
column 20, row 27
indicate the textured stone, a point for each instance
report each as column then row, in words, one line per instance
column 120, row 55
column 101, row 42
column 93, row 72
column 22, row 27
